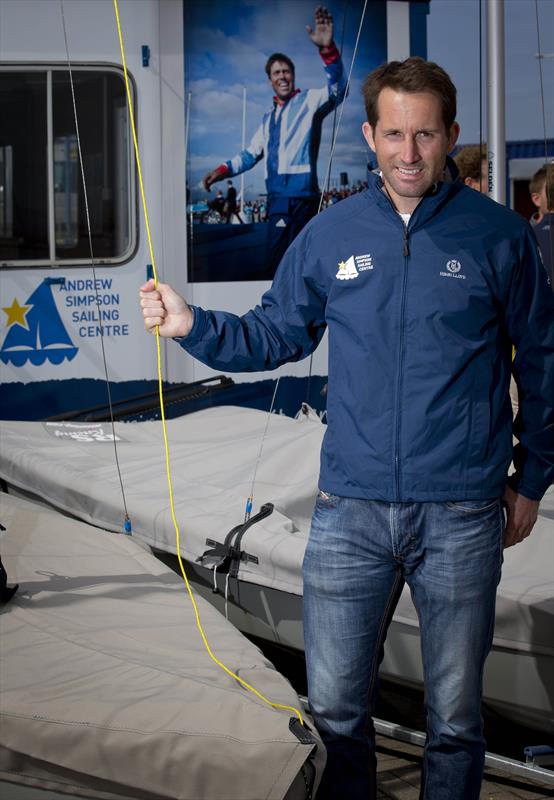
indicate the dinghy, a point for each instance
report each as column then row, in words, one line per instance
column 256, row 569
column 107, row 688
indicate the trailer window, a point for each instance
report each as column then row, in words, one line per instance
column 23, row 168
column 43, row 203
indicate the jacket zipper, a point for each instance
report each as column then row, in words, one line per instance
column 397, row 420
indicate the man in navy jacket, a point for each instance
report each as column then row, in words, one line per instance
column 424, row 286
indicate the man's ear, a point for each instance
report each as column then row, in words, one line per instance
column 453, row 134
column 367, row 131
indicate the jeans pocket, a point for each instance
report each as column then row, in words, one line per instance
column 472, row 506
column 326, row 499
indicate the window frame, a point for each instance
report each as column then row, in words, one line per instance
column 52, row 262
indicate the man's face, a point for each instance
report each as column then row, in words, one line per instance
column 411, row 144
column 282, row 79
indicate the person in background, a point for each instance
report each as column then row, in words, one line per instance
column 544, row 228
column 231, row 207
column 423, row 284
column 217, row 204
column 541, row 222
column 537, row 190
column 472, row 166
column 288, row 141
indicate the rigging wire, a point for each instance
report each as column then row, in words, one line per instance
column 214, row 658
column 328, row 177
column 250, row 500
column 481, row 148
column 327, row 180
column 333, row 145
column 548, row 183
column 541, row 82
column 127, row 521
column 336, row 133
column 190, row 238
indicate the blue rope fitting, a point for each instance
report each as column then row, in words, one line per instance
column 127, row 526
column 248, row 509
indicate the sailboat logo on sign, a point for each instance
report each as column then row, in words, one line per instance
column 36, row 332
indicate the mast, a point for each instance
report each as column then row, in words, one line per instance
column 243, row 146
column 496, row 118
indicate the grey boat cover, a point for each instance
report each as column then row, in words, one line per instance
column 107, row 690
column 213, row 457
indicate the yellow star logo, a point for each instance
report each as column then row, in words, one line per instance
column 17, row 314
column 342, row 264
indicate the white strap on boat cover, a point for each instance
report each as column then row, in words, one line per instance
column 107, row 690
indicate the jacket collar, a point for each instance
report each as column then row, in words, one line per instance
column 434, row 198
column 278, row 102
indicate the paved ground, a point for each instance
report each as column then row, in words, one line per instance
column 398, row 767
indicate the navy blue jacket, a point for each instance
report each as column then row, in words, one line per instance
column 544, row 231
column 421, row 324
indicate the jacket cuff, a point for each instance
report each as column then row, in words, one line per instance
column 196, row 332
column 329, row 54
column 520, row 485
column 224, row 170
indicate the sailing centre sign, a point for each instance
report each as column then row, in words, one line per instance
column 49, row 324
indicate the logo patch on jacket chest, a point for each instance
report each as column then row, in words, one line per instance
column 353, row 266
column 453, row 266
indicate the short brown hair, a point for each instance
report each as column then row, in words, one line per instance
column 544, row 177
column 537, row 181
column 549, row 169
column 277, row 57
column 410, row 76
column 469, row 161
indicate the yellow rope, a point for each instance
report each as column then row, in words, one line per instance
column 219, row 663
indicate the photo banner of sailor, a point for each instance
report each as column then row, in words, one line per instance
column 259, row 145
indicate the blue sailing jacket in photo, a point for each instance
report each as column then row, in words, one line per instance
column 290, row 135
column 421, row 322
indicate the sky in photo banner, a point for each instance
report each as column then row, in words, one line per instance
column 227, row 44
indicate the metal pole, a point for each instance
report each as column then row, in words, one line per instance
column 243, row 146
column 512, row 766
column 493, row 761
column 50, row 156
column 496, row 117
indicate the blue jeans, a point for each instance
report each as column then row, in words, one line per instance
column 359, row 554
